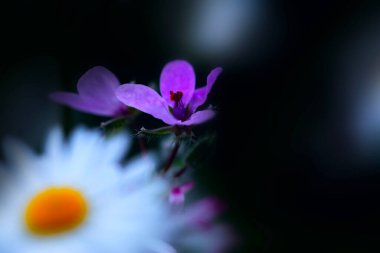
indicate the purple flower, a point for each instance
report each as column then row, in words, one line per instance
column 177, row 194
column 96, row 88
column 179, row 100
column 202, row 232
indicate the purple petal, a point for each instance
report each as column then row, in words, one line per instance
column 211, row 78
column 200, row 95
column 199, row 98
column 176, row 76
column 77, row 102
column 146, row 100
column 99, row 84
column 187, row 186
column 204, row 211
column 199, row 117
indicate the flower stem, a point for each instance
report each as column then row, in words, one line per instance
column 117, row 120
column 141, row 141
column 172, row 156
column 142, row 144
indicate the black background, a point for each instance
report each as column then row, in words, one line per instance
column 278, row 133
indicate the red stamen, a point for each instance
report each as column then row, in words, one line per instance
column 172, row 96
column 176, row 97
column 179, row 95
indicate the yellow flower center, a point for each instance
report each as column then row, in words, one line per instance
column 55, row 210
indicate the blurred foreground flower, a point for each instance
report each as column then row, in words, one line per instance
column 78, row 198
column 179, row 100
column 96, row 89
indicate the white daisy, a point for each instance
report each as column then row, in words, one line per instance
column 78, row 198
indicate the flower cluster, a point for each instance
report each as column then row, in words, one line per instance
column 81, row 195
column 100, row 93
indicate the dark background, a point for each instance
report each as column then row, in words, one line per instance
column 284, row 161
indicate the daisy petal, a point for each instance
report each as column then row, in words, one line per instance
column 54, row 141
column 139, row 171
column 200, row 95
column 77, row 102
column 17, row 153
column 21, row 159
column 160, row 247
column 116, row 146
column 199, row 117
column 146, row 100
column 176, row 76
